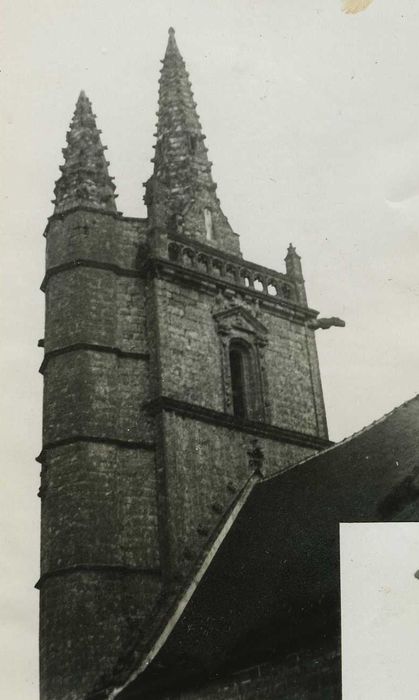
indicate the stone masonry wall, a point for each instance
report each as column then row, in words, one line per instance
column 207, row 465
column 96, row 499
column 88, row 620
column 190, row 355
column 293, row 395
column 96, row 394
column 125, row 492
column 100, row 563
column 98, row 306
column 94, row 236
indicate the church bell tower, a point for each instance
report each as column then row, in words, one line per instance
column 168, row 360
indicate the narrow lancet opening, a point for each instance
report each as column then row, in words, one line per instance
column 238, row 358
column 208, row 224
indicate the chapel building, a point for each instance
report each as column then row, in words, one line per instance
column 183, row 554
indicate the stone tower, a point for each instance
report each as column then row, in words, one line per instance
column 170, row 362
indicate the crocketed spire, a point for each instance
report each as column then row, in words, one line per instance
column 181, row 193
column 85, row 180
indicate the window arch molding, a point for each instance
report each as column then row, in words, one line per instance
column 243, row 340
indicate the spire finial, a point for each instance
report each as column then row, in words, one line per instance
column 171, row 44
column 83, row 101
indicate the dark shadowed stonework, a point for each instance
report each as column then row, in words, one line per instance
column 264, row 617
column 177, row 376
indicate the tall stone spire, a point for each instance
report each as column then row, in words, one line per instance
column 85, row 180
column 181, row 195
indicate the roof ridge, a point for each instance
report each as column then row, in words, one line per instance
column 359, row 432
column 173, row 612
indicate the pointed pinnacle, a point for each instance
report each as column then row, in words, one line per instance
column 83, row 100
column 85, row 179
column 172, row 46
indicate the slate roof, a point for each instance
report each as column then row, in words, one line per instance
column 276, row 570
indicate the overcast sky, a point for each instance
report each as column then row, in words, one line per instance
column 312, row 119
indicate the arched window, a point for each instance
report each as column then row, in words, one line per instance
column 241, row 376
column 243, row 339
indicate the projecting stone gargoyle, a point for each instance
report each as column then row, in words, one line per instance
column 325, row 323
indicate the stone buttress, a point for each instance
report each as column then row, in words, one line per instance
column 100, row 568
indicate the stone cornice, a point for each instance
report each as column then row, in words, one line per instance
column 77, row 439
column 204, row 248
column 171, row 270
column 97, row 568
column 156, row 266
column 92, row 210
column 228, row 257
column 226, row 420
column 92, row 347
column 86, row 262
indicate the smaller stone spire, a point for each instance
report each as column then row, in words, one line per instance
column 84, row 180
column 293, row 263
column 295, row 273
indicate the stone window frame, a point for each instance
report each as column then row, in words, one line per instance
column 240, row 326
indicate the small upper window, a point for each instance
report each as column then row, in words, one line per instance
column 208, row 224
column 242, row 340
